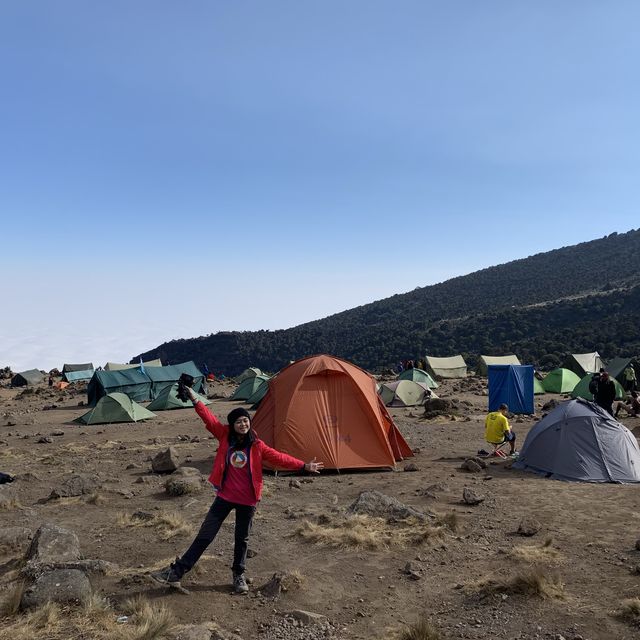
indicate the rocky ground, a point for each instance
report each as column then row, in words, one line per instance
column 482, row 552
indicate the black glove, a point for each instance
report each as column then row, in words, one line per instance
column 185, row 382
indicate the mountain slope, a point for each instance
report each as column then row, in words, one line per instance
column 573, row 299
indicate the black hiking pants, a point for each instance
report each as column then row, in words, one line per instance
column 217, row 514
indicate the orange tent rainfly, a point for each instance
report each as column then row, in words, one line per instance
column 328, row 408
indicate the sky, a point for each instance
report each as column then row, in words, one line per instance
column 170, row 170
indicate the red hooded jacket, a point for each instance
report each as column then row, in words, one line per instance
column 258, row 451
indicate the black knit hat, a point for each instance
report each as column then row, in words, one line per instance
column 239, row 412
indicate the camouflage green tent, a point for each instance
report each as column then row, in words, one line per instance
column 418, row 375
column 32, row 376
column 248, row 387
column 115, row 407
column 168, row 399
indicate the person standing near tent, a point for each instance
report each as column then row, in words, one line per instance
column 629, row 377
column 605, row 392
column 237, row 477
column 497, row 429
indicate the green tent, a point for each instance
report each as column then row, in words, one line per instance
column 560, row 381
column 115, row 407
column 163, row 377
column 452, row 367
column 418, row 375
column 32, row 376
column 248, row 387
column 141, row 383
column 405, row 393
column 581, row 390
column 77, row 372
column 259, row 393
column 251, row 372
column 77, row 367
column 537, row 387
column 486, row 361
column 168, row 399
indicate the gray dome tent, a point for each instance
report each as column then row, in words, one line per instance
column 579, row 441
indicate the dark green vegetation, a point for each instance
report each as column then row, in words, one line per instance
column 571, row 300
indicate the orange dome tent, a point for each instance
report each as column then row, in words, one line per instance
column 328, row 408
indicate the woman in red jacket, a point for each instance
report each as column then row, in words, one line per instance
column 237, row 477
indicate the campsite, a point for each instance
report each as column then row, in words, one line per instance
column 532, row 558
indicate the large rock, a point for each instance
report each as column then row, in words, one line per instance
column 53, row 545
column 188, row 472
column 437, row 405
column 166, row 461
column 60, row 585
column 79, row 484
column 379, row 505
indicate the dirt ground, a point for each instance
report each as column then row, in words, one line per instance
column 590, row 531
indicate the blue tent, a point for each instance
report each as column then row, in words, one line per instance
column 513, row 385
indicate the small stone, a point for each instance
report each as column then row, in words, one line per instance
column 166, row 461
column 307, row 617
column 295, row 484
column 470, row 497
column 57, row 432
column 471, row 465
column 528, row 527
column 45, row 440
column 412, row 466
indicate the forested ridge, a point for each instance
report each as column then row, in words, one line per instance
column 580, row 298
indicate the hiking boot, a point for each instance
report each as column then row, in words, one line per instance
column 240, row 585
column 167, row 576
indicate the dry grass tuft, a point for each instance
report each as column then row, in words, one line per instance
column 151, row 620
column 630, row 610
column 293, row 580
column 45, row 617
column 96, row 620
column 11, row 602
column 449, row 520
column 366, row 532
column 10, row 503
column 421, row 630
column 96, row 498
column 534, row 581
column 537, row 554
column 168, row 525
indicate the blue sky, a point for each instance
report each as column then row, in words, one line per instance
column 174, row 169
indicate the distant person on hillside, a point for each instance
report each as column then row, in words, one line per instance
column 205, row 369
column 605, row 392
column 632, row 406
column 399, row 367
column 50, row 380
column 237, row 477
column 629, row 377
column 497, row 429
